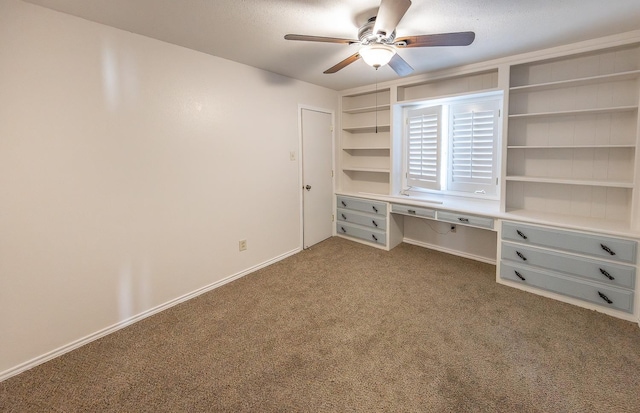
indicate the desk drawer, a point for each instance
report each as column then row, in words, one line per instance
column 413, row 211
column 590, row 244
column 370, row 235
column 606, row 296
column 605, row 272
column 364, row 205
column 373, row 221
column 464, row 219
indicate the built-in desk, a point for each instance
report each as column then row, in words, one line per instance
column 578, row 261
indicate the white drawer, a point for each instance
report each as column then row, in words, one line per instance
column 413, row 211
column 605, row 272
column 590, row 244
column 606, row 296
column 464, row 219
column 364, row 205
column 369, row 220
column 367, row 234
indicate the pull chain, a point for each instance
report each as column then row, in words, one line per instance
column 376, row 79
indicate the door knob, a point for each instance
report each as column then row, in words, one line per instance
column 308, row 187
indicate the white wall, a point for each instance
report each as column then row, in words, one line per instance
column 129, row 170
column 470, row 242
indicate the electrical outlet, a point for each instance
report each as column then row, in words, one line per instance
column 292, row 156
column 242, row 244
column 453, row 228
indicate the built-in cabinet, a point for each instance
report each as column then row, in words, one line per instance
column 569, row 165
column 589, row 267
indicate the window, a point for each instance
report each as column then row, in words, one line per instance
column 453, row 146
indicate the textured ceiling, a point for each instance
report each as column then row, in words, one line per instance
column 252, row 31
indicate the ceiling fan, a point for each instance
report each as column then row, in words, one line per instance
column 379, row 43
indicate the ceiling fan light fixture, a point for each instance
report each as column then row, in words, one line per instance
column 377, row 55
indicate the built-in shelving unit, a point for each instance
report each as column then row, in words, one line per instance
column 569, row 169
column 573, row 134
column 365, row 143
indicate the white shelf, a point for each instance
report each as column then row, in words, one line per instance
column 367, row 109
column 612, row 77
column 584, row 182
column 616, row 109
column 368, row 129
column 363, row 169
column 366, row 148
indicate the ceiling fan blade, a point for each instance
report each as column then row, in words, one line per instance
column 442, row 39
column 400, row 66
column 346, row 62
column 389, row 15
column 319, row 39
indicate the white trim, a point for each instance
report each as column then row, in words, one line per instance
column 131, row 320
column 449, row 251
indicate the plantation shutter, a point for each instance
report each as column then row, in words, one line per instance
column 423, row 147
column 473, row 144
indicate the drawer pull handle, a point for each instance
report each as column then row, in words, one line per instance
column 374, row 208
column 605, row 298
column 604, row 247
column 411, row 211
column 519, row 254
column 520, row 275
column 374, row 223
column 344, row 217
column 374, row 237
column 521, row 234
column 606, row 274
column 463, row 219
column 343, row 204
column 343, row 230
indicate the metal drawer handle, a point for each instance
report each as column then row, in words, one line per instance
column 519, row 254
column 374, row 208
column 411, row 211
column 604, row 247
column 463, row 219
column 374, row 223
column 604, row 297
column 374, row 237
column 606, row 274
column 521, row 234
column 344, row 217
column 343, row 230
column 343, row 204
column 519, row 275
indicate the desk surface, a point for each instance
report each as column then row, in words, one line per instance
column 491, row 208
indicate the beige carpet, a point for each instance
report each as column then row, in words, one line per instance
column 344, row 327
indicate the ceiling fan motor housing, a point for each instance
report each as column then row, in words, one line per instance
column 366, row 35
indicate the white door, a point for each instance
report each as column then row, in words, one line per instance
column 317, row 180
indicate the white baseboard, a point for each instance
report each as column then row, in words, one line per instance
column 122, row 324
column 450, row 251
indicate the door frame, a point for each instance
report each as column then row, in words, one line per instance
column 331, row 112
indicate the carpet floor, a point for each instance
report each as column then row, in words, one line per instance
column 345, row 327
